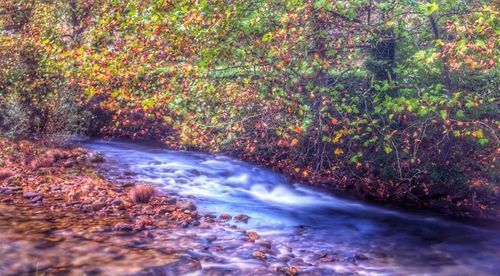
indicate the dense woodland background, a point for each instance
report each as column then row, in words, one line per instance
column 394, row 100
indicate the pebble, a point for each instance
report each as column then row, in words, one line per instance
column 30, row 194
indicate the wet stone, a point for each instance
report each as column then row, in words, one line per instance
column 220, row 271
column 96, row 157
column 168, row 250
column 211, row 238
column 241, row 218
column 5, row 190
column 265, row 244
column 360, row 257
column 169, row 201
column 116, row 201
column 30, row 194
column 259, row 255
column 327, row 258
column 253, row 235
column 224, row 216
column 123, row 227
column 185, row 205
column 288, row 270
column 69, row 164
column 180, row 267
column 129, row 173
column 36, row 199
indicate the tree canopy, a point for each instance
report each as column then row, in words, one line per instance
column 402, row 94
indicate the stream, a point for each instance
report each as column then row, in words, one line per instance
column 329, row 233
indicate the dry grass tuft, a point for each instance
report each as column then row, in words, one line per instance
column 48, row 159
column 141, row 193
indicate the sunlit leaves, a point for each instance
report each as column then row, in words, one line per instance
column 281, row 77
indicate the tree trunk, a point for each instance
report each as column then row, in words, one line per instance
column 445, row 68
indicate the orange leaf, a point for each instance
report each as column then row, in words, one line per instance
column 334, row 120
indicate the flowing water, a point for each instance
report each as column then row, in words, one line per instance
column 312, row 224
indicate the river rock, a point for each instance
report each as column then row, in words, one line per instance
column 180, row 267
column 221, row 271
column 97, row 206
column 259, row 255
column 224, row 216
column 168, row 250
column 211, row 238
column 116, row 201
column 30, row 194
column 288, row 270
column 360, row 256
column 123, row 227
column 165, row 209
column 69, row 164
column 169, row 201
column 265, row 244
column 96, row 157
column 242, row 218
column 253, row 235
column 36, row 199
column 185, row 204
column 327, row 258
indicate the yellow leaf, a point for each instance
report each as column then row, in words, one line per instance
column 338, row 151
column 337, row 137
column 294, row 142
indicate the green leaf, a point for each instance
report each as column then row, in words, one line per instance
column 387, row 149
column 443, row 114
column 267, row 36
column 429, row 8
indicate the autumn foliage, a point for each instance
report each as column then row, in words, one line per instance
column 393, row 100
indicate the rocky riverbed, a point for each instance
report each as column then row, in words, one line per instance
column 58, row 215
